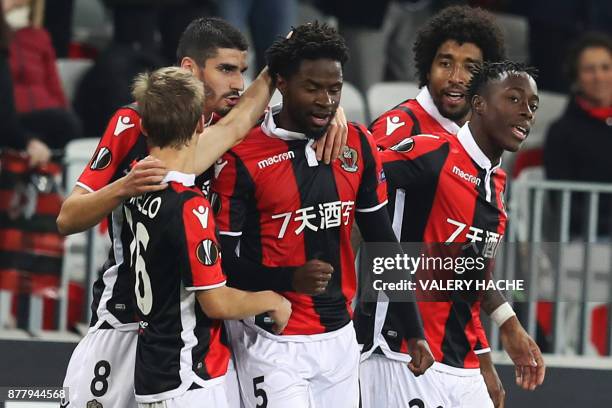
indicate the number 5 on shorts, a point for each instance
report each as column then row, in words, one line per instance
column 260, row 392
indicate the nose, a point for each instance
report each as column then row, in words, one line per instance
column 324, row 98
column 527, row 112
column 237, row 83
column 459, row 75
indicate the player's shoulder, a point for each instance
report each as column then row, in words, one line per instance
column 126, row 119
column 417, row 145
column 254, row 141
column 401, row 112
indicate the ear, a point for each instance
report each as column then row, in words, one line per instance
column 479, row 104
column 189, row 64
column 281, row 84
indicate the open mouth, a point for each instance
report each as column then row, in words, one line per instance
column 320, row 119
column 454, row 96
column 520, row 132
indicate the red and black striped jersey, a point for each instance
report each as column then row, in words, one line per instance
column 443, row 189
column 121, row 146
column 170, row 247
column 409, row 118
column 287, row 209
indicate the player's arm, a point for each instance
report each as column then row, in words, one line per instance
column 310, row 278
column 233, row 304
column 495, row 388
column 83, row 208
column 199, row 262
column 529, row 364
column 233, row 128
column 375, row 226
column 96, row 193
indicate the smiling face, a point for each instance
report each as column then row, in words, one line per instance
column 506, row 111
column 311, row 96
column 223, row 80
column 450, row 73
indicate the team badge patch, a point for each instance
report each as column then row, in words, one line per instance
column 102, row 159
column 348, row 157
column 207, row 252
column 94, row 404
column 404, row 146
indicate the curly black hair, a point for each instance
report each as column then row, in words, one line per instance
column 588, row 40
column 493, row 71
column 308, row 42
column 463, row 24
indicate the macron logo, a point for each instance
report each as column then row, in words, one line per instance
column 393, row 124
column 122, row 125
column 275, row 159
column 466, row 176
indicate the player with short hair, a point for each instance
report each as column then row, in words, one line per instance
column 460, row 188
column 101, row 367
column 280, row 208
column 447, row 49
column 168, row 238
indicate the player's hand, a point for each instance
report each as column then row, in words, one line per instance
column 39, row 153
column 529, row 365
column 312, row 277
column 328, row 148
column 281, row 314
column 146, row 176
column 491, row 379
column 421, row 355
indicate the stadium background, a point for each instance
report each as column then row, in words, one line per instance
column 43, row 309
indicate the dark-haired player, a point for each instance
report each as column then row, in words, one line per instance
column 281, row 208
column 448, row 48
column 446, row 51
column 459, row 185
column 215, row 52
column 169, row 241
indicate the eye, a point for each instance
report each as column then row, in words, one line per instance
column 334, row 91
column 534, row 107
column 445, row 63
column 513, row 99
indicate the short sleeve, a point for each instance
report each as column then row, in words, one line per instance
column 121, row 135
column 392, row 127
column 202, row 260
column 231, row 189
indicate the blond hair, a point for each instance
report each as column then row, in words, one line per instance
column 170, row 104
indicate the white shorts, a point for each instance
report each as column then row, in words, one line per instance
column 387, row 383
column 214, row 396
column 313, row 374
column 101, row 368
column 232, row 386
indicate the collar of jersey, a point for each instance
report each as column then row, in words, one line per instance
column 425, row 100
column 185, row 179
column 469, row 144
column 268, row 126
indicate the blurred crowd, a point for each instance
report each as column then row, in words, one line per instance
column 571, row 47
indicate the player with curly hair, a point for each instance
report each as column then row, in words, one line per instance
column 447, row 49
column 286, row 211
column 460, row 188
